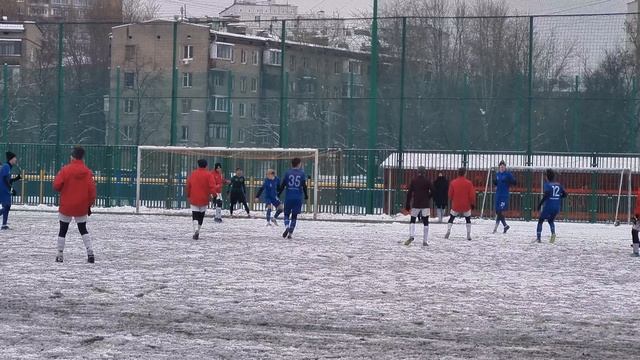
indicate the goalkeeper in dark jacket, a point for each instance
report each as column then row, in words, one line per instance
column 419, row 204
column 6, row 187
column 238, row 192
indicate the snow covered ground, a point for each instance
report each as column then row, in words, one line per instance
column 336, row 291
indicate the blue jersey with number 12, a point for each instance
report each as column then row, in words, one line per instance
column 554, row 192
column 294, row 181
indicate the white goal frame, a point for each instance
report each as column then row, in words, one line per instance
column 176, row 149
column 619, row 171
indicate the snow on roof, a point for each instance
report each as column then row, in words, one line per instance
column 11, row 27
column 452, row 161
column 160, row 20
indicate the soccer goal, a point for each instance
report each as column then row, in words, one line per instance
column 594, row 194
column 162, row 172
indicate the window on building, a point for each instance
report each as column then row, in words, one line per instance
column 188, row 52
column 129, row 106
column 129, row 52
column 223, row 51
column 242, row 135
column 212, row 130
column 337, row 67
column 292, row 87
column 292, row 63
column 187, row 80
column 127, row 132
column 305, row 63
column 255, row 58
column 243, row 85
column 355, row 67
column 257, row 18
column 186, row 106
column 242, row 110
column 217, row 131
column 11, row 48
column 185, row 133
column 272, row 57
column 218, row 78
column 243, row 56
column 253, row 110
column 129, row 79
column 254, row 85
column 220, row 103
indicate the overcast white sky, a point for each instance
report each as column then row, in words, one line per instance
column 348, row 8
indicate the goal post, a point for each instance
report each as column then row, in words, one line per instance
column 594, row 194
column 162, row 171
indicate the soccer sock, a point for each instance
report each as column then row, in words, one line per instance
column 412, row 227
column 539, row 229
column 268, row 214
column 60, row 244
column 504, row 221
column 246, row 207
column 634, row 236
column 440, row 214
column 82, row 227
column 449, row 226
column 200, row 219
column 425, row 233
column 218, row 212
column 231, row 209
column 451, row 218
column 278, row 212
column 286, row 220
column 552, row 226
column 294, row 221
column 5, row 213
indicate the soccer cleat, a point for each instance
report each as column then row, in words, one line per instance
column 409, row 241
column 552, row 239
column 424, row 243
column 506, row 228
column 59, row 258
column 285, row 233
column 218, row 220
column 446, row 236
column 269, row 224
column 91, row 259
column 469, row 238
column 538, row 241
column 290, row 236
column 636, row 249
column 274, row 221
column 5, row 227
column 196, row 235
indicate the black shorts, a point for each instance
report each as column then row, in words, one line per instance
column 237, row 198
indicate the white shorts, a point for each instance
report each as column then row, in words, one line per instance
column 426, row 212
column 198, row 208
column 79, row 219
column 465, row 214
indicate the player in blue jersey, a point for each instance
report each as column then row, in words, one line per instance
column 270, row 189
column 295, row 181
column 552, row 201
column 503, row 180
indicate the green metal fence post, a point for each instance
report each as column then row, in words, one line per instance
column 372, row 170
column 529, row 179
column 116, row 134
column 576, row 114
column 352, row 111
column 60, row 113
column 5, row 106
column 174, row 87
column 403, row 62
column 229, row 114
column 633, row 141
column 464, row 114
column 282, row 141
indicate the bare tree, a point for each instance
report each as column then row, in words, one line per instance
column 134, row 11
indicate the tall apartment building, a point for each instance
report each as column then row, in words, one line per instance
column 20, row 45
column 105, row 10
column 228, row 79
column 260, row 15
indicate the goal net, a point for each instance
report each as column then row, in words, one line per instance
column 594, row 194
column 162, row 172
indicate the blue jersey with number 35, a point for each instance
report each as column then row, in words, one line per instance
column 554, row 192
column 294, row 181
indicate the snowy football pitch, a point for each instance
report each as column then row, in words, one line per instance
column 338, row 290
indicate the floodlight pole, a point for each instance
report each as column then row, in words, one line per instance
column 373, row 111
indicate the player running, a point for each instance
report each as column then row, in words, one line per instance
column 503, row 180
column 77, row 191
column 552, row 201
column 270, row 189
column 6, row 187
column 463, row 200
column 636, row 227
column 200, row 188
column 419, row 201
column 238, row 192
column 218, row 179
column 295, row 181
